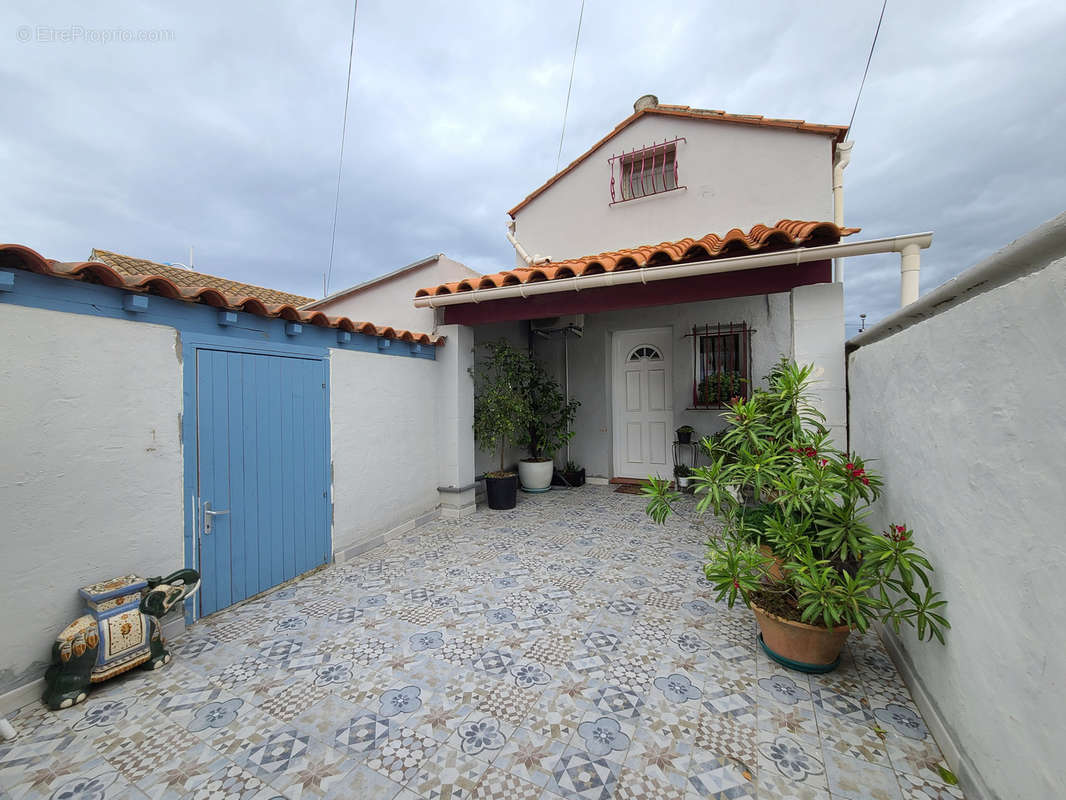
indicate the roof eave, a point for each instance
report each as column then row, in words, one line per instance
column 646, row 274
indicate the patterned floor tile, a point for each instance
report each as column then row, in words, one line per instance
column 202, row 773
column 720, row 778
column 554, row 716
column 298, row 765
column 914, row 788
column 138, row 752
column 497, row 784
column 571, row 616
column 798, row 760
column 580, row 775
column 448, row 774
column 505, row 702
column 401, row 754
column 723, row 735
column 636, row 785
column 843, row 738
column 856, row 779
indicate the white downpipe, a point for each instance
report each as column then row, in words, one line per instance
column 840, row 161
column 800, row 255
column 531, row 261
column 910, row 263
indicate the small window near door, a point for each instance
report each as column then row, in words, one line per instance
column 721, row 364
column 645, row 351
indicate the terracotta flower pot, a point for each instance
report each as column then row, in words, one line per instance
column 799, row 646
column 775, row 570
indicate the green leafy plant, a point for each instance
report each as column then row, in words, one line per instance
column 776, row 481
column 502, row 409
column 682, row 471
column 720, row 388
column 550, row 414
column 686, row 429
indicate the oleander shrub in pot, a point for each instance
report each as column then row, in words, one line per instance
column 796, row 547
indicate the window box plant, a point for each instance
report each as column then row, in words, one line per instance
column 501, row 413
column 547, row 427
column 684, row 434
column 790, row 500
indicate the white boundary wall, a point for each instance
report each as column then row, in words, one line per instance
column 960, row 396
column 90, row 472
column 384, row 443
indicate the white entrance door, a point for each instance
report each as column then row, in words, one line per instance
column 643, row 408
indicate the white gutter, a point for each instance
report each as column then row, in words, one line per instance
column 840, row 161
column 531, row 261
column 800, row 255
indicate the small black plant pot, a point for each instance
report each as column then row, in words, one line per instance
column 563, row 478
column 502, row 492
column 684, row 437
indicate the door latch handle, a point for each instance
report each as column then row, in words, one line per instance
column 209, row 517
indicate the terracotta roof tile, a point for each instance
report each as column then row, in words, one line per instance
column 785, row 235
column 159, row 283
column 132, row 267
column 838, row 132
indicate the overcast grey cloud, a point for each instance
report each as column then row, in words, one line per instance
column 221, row 130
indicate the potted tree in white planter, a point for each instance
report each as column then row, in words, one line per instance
column 550, row 417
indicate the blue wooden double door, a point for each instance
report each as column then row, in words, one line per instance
column 262, row 456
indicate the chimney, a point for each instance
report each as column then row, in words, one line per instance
column 645, row 101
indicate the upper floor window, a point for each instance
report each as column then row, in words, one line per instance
column 644, row 172
column 721, row 364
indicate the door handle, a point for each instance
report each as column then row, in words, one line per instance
column 209, row 517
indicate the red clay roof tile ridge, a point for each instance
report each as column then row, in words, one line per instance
column 786, row 234
column 18, row 256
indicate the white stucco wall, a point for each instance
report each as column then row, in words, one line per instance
column 391, row 301
column 590, row 364
column 736, row 176
column 964, row 411
column 818, row 339
column 91, row 473
column 384, row 443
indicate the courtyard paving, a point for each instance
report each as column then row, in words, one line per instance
column 569, row 648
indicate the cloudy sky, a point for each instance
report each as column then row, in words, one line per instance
column 223, row 132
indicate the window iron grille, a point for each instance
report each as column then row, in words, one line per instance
column 645, row 171
column 721, row 364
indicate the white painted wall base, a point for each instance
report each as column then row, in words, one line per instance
column 456, row 503
column 362, row 546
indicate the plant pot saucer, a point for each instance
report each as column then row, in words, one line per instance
column 799, row 666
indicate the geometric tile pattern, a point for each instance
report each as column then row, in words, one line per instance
column 569, row 648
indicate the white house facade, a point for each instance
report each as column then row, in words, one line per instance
column 715, row 236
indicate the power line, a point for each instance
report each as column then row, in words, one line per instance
column 340, row 163
column 873, row 44
column 573, row 63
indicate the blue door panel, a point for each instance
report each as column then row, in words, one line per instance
column 262, row 453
